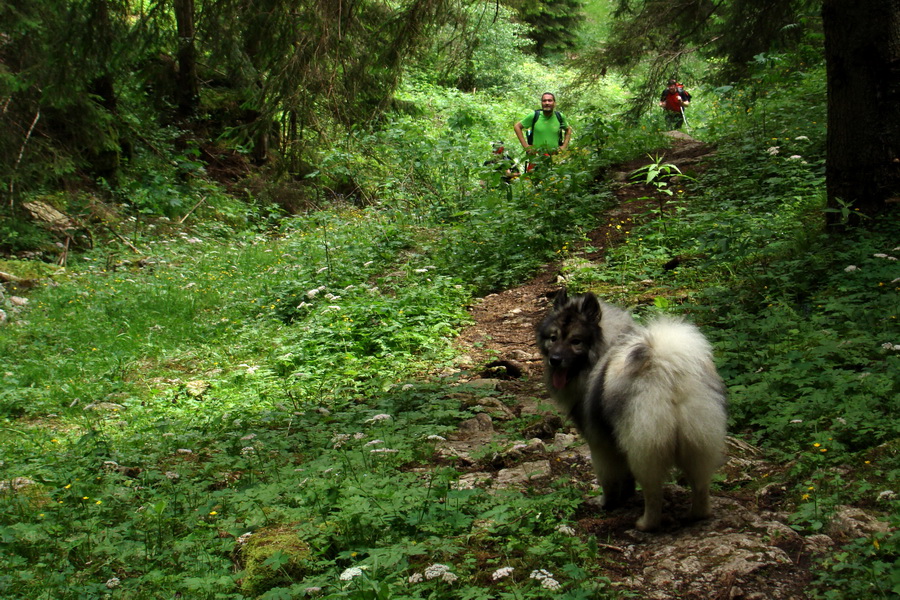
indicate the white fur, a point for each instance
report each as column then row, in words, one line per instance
column 665, row 404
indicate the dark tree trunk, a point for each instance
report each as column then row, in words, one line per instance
column 862, row 54
column 187, row 89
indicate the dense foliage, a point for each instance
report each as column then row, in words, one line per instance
column 218, row 399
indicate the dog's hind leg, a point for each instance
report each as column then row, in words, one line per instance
column 698, row 473
column 652, row 487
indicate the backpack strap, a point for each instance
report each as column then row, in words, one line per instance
column 562, row 131
column 530, row 136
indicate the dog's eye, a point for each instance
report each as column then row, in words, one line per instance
column 576, row 342
column 553, row 337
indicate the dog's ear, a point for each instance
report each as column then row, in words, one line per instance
column 590, row 307
column 562, row 297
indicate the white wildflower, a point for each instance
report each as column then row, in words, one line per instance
column 415, row 578
column 801, row 138
column 304, row 304
column 312, row 293
column 773, row 150
column 501, row 573
column 566, row 530
column 890, row 346
column 406, row 387
column 540, row 574
column 322, row 270
column 359, row 435
column 851, row 268
column 374, row 443
column 368, row 263
column 338, row 440
column 312, row 590
column 436, row 570
column 436, row 438
column 172, row 475
column 244, row 538
column 421, row 270
column 351, row 573
column 113, row 583
column 795, row 157
column 449, row 577
column 248, row 451
column 332, row 297
column 886, row 495
column 384, row 451
column 381, row 417
column 184, row 451
column 333, row 307
column 550, row 583
column 796, row 421
column 248, row 437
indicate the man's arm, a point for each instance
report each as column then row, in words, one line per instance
column 567, row 138
column 521, row 135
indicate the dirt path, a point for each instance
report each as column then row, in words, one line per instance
column 747, row 551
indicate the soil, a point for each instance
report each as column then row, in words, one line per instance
column 746, row 551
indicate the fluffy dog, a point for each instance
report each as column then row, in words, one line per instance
column 646, row 399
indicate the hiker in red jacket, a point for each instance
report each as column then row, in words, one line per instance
column 674, row 99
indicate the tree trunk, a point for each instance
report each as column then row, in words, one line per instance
column 187, row 88
column 862, row 56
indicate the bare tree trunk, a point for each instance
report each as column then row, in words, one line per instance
column 187, row 88
column 862, row 55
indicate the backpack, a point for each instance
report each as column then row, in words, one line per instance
column 562, row 129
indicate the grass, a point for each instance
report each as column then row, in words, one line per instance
column 255, row 415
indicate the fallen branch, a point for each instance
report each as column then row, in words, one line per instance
column 122, row 239
column 15, row 168
column 192, row 210
column 9, row 278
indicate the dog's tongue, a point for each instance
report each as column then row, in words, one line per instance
column 560, row 378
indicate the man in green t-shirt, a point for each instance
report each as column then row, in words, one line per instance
column 549, row 130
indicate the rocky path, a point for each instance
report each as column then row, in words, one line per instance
column 746, row 551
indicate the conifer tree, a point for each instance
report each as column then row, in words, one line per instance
column 554, row 23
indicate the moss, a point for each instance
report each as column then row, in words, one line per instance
column 290, row 566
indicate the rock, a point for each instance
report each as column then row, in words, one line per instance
column 818, row 544
column 849, row 523
column 196, row 388
column 479, row 423
column 520, row 475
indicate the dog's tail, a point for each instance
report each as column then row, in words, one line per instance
column 674, row 393
column 672, row 348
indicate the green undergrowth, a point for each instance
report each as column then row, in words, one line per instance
column 255, row 416
column 805, row 328
column 249, row 415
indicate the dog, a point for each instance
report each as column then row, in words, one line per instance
column 645, row 398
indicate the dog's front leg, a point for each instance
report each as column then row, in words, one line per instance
column 613, row 474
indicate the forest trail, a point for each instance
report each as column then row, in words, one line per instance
column 746, row 551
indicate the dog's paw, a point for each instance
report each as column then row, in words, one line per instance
column 607, row 502
column 647, row 523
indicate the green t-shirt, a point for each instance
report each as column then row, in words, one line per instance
column 546, row 131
